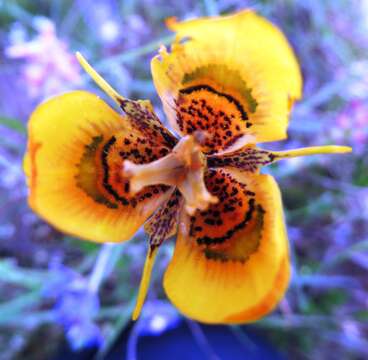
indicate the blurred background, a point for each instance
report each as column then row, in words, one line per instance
column 61, row 298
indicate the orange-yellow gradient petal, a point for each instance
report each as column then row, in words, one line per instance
column 232, row 267
column 231, row 76
column 76, row 148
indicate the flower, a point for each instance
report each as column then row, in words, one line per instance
column 75, row 310
column 76, row 306
column 157, row 318
column 227, row 83
column 49, row 66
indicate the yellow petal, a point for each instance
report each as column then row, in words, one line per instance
column 76, row 148
column 236, row 71
column 231, row 263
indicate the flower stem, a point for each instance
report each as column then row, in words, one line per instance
column 106, row 260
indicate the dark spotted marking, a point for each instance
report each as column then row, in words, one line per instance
column 249, row 159
column 232, row 195
column 225, row 255
column 210, row 89
column 206, row 240
column 221, row 230
column 220, row 74
column 113, row 181
column 147, row 122
column 164, row 221
column 105, row 166
column 86, row 182
column 199, row 114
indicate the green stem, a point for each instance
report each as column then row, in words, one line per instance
column 133, row 53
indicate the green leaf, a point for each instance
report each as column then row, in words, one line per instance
column 18, row 304
column 361, row 315
column 13, row 124
column 121, row 322
column 10, row 273
column 360, row 176
column 133, row 54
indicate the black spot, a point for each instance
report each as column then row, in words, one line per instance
column 206, row 240
column 231, row 99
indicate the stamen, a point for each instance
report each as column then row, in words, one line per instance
column 182, row 168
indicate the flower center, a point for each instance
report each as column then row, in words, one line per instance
column 183, row 168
